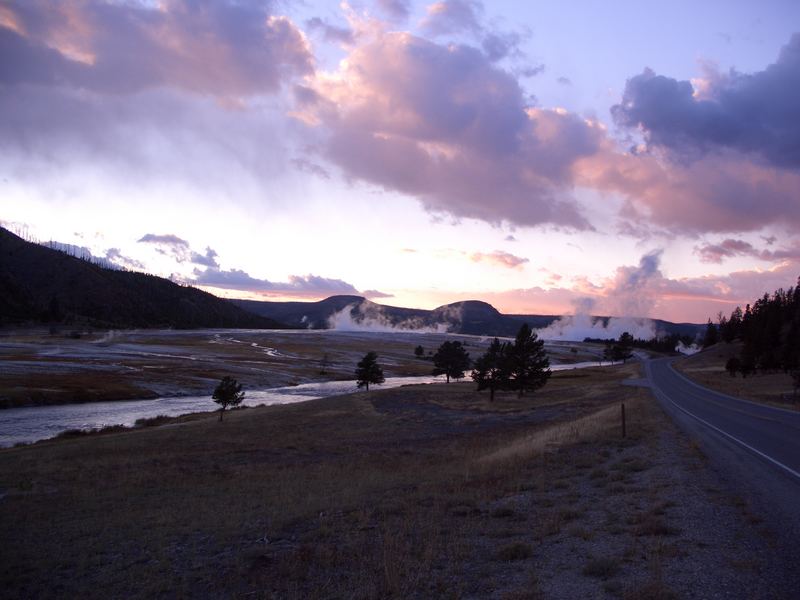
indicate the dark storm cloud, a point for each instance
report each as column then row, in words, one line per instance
column 756, row 113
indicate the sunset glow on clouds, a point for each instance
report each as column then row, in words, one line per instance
column 420, row 153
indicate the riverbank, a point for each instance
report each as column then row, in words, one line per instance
column 413, row 492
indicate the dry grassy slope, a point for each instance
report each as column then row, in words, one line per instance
column 708, row 368
column 425, row 491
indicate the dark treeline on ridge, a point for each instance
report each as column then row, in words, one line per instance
column 39, row 284
column 769, row 331
column 662, row 343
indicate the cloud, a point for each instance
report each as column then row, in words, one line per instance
column 499, row 258
column 167, row 239
column 168, row 244
column 223, row 48
column 397, row 10
column 310, row 167
column 209, row 259
column 172, row 92
column 714, row 193
column 498, row 45
column 729, row 248
column 376, row 294
column 300, row 286
column 452, row 16
column 331, row 33
column 172, row 245
column 510, row 238
column 757, row 113
column 445, row 125
column 115, row 256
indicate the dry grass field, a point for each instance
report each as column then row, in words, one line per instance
column 708, row 368
column 423, row 491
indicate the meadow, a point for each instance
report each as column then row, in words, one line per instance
column 419, row 491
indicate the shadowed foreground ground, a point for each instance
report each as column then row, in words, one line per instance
column 425, row 491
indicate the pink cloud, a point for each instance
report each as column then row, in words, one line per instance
column 499, row 258
column 644, row 291
column 729, row 248
column 444, row 124
column 225, row 49
column 716, row 193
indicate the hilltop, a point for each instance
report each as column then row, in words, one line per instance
column 472, row 317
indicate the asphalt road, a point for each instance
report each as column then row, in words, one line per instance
column 771, row 433
column 755, row 449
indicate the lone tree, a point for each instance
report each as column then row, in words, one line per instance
column 369, row 371
column 451, row 360
column 491, row 369
column 419, row 351
column 228, row 393
column 528, row 364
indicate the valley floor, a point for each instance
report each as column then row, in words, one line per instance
column 38, row 368
column 423, row 491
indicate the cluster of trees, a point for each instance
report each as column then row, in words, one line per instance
column 661, row 343
column 619, row 350
column 521, row 365
column 769, row 331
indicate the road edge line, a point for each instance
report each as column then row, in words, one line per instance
column 728, row 435
column 728, row 396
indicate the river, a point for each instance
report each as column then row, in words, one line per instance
column 30, row 424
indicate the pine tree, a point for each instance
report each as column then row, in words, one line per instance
column 623, row 349
column 491, row 369
column 711, row 336
column 369, row 371
column 227, row 393
column 451, row 360
column 528, row 364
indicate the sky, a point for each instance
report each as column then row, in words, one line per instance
column 620, row 158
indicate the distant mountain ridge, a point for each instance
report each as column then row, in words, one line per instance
column 472, row 317
column 41, row 284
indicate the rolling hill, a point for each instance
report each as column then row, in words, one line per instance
column 39, row 284
column 469, row 317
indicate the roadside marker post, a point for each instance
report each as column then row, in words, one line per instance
column 623, row 419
